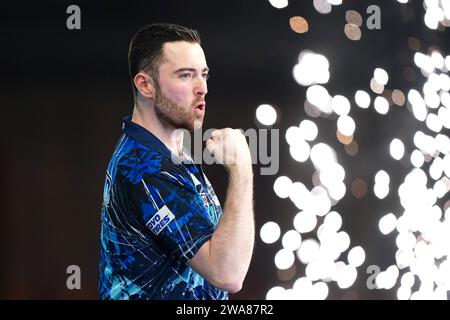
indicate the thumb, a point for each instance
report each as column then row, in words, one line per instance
column 211, row 146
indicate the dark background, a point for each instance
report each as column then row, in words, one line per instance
column 63, row 94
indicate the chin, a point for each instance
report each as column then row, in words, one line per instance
column 197, row 124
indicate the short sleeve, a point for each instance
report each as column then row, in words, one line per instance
column 175, row 213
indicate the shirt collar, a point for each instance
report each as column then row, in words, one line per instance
column 148, row 139
column 144, row 137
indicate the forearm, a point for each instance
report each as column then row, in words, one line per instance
column 232, row 243
column 224, row 260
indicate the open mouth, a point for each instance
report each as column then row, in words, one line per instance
column 201, row 107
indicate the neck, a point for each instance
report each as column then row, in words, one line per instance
column 169, row 135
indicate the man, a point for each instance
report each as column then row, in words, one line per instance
column 164, row 235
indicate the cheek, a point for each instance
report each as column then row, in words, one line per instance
column 181, row 94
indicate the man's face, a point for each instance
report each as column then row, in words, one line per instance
column 181, row 89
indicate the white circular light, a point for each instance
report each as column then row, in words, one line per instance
column 391, row 276
column 305, row 221
column 444, row 116
column 270, row 232
column 333, row 221
column 445, row 96
column 404, row 258
column 311, row 68
column 438, row 59
column 356, row 256
column 433, row 16
column 447, row 61
column 433, row 122
column 436, row 168
column 319, row 97
column 382, row 177
column 321, row 201
column 276, row 293
column 403, row 293
column 300, row 151
column 343, row 240
column 282, row 186
column 320, row 290
column 362, row 99
column 291, row 240
column 419, row 108
column 381, row 105
column 346, row 125
column 417, row 158
column 335, row 2
column 340, row 105
column 405, row 241
column 308, row 251
column 302, row 284
column 397, row 149
column 293, row 135
column 300, row 196
column 279, row 4
column 337, row 192
column 407, row 280
column 424, row 62
column 440, row 189
column 443, row 143
column 381, row 190
column 381, row 76
column 266, row 114
column 322, row 155
column 284, row 259
column 308, row 130
column 346, row 276
column 322, row 6
column 387, row 223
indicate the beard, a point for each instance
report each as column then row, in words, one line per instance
column 174, row 114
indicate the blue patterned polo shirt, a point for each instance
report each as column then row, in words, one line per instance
column 156, row 214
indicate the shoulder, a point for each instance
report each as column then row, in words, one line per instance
column 134, row 161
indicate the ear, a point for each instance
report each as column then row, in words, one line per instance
column 144, row 83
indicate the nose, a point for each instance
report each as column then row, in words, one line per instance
column 201, row 87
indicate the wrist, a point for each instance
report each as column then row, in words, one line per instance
column 241, row 170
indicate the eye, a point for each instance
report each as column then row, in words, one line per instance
column 206, row 76
column 185, row 75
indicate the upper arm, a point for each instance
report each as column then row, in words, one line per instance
column 175, row 215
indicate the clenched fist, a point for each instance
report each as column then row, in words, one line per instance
column 229, row 147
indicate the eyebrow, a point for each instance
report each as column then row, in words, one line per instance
column 191, row 70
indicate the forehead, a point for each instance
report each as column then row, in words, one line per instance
column 182, row 54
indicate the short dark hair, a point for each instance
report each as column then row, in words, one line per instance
column 146, row 47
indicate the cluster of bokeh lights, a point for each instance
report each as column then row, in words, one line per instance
column 421, row 267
